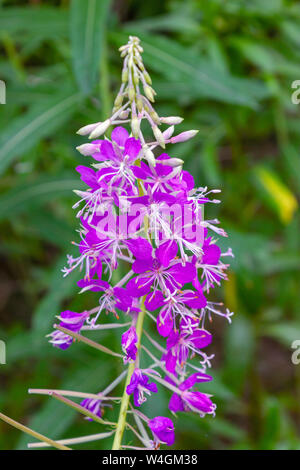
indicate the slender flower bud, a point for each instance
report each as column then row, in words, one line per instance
column 125, row 76
column 174, row 162
column 168, row 132
column 88, row 129
column 139, row 104
column 171, row 120
column 183, row 136
column 147, row 77
column 149, row 155
column 154, row 116
column 99, row 130
column 159, row 136
column 87, row 149
column 118, row 101
column 135, row 126
column 131, row 93
column 149, row 93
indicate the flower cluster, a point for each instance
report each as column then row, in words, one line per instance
column 144, row 213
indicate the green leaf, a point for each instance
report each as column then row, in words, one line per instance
column 171, row 22
column 239, row 351
column 286, row 333
column 272, row 424
column 39, row 190
column 88, row 21
column 39, row 122
column 276, row 193
column 46, row 22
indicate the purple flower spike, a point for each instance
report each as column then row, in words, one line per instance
column 163, row 429
column 139, row 385
column 129, row 340
column 141, row 214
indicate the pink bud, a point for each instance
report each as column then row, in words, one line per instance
column 88, row 129
column 171, row 120
column 168, row 132
column 183, row 136
column 87, row 149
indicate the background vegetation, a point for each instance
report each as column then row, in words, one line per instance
column 227, row 68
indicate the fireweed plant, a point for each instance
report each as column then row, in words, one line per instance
column 143, row 212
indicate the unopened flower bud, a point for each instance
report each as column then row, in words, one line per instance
column 184, row 136
column 135, row 126
column 131, row 93
column 171, row 120
column 159, row 136
column 139, row 104
column 87, row 149
column 130, row 62
column 124, row 114
column 174, row 162
column 88, row 129
column 155, row 117
column 149, row 93
column 168, row 132
column 118, row 101
column 149, row 155
column 103, row 126
column 147, row 77
column 125, row 76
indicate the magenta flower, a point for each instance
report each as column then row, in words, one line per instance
column 72, row 321
column 94, row 406
column 179, row 345
column 162, row 429
column 129, row 340
column 161, row 271
column 139, row 386
column 192, row 400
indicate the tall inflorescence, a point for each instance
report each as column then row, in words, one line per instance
column 142, row 212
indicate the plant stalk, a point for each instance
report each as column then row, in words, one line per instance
column 125, row 398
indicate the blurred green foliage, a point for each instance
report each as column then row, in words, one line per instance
column 227, row 68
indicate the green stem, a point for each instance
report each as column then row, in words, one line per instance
column 125, row 398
